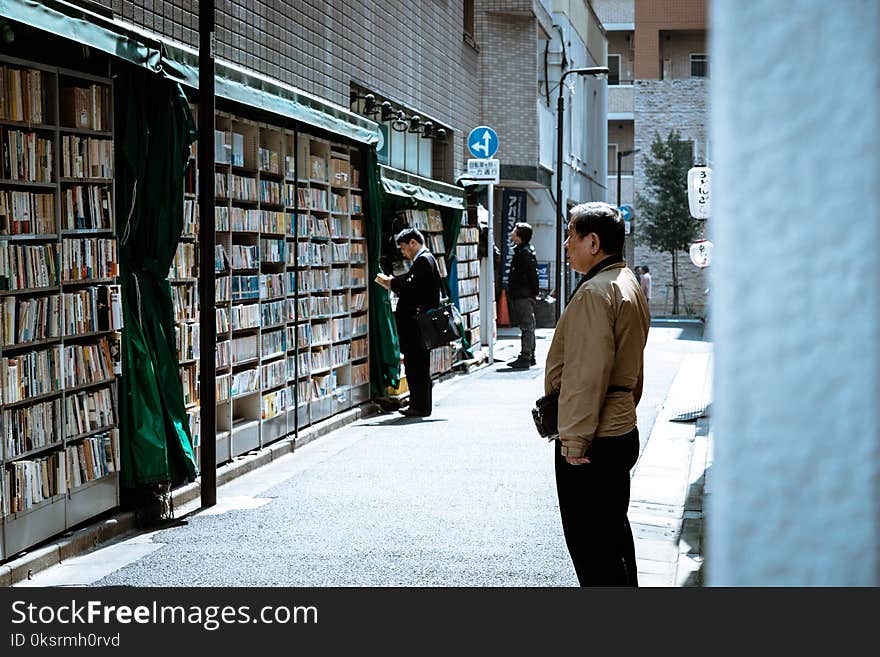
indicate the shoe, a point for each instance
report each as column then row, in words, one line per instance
column 411, row 412
column 520, row 364
column 533, row 361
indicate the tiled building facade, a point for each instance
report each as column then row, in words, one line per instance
column 413, row 53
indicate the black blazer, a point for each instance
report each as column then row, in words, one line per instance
column 418, row 290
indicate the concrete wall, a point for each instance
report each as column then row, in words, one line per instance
column 661, row 106
column 795, row 313
column 620, row 99
column 411, row 52
column 615, row 11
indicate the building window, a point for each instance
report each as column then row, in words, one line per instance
column 699, row 65
column 612, row 158
column 468, row 26
column 613, row 69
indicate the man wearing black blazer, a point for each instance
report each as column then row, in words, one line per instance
column 418, row 290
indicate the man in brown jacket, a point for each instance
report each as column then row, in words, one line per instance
column 596, row 365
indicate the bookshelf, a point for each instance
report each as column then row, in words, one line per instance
column 183, row 277
column 468, row 264
column 291, row 283
column 61, row 310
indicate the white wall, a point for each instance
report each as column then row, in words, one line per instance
column 795, row 304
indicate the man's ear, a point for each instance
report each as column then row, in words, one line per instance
column 595, row 244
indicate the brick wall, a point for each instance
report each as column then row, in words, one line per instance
column 509, row 71
column 661, row 106
column 412, row 52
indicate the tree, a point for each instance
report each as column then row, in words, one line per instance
column 665, row 222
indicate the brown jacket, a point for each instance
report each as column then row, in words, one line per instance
column 599, row 342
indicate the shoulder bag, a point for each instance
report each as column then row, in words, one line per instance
column 440, row 326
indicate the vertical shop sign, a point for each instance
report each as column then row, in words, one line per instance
column 513, row 202
column 382, row 146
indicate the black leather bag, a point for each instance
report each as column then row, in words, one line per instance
column 546, row 415
column 440, row 326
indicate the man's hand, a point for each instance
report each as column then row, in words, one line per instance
column 577, row 460
column 384, row 280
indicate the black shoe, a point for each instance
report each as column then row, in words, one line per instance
column 411, row 412
column 533, row 361
column 520, row 363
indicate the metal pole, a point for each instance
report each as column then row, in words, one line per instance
column 619, row 158
column 560, row 218
column 207, row 318
column 491, row 244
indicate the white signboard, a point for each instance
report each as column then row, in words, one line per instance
column 484, row 170
column 701, row 253
column 699, row 179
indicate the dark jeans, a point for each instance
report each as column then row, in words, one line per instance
column 524, row 314
column 418, row 377
column 593, row 501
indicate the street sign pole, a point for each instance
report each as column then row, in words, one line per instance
column 483, row 144
column 491, row 244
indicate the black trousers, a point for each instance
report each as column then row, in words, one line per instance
column 593, row 501
column 418, row 377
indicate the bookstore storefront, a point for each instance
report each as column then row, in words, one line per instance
column 437, row 209
column 99, row 387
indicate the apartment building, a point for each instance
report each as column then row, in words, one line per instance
column 525, row 48
column 658, row 81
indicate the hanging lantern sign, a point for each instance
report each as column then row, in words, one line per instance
column 701, row 253
column 698, row 192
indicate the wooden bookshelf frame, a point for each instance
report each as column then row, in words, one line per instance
column 281, row 407
column 61, row 511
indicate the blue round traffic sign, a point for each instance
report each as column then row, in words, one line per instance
column 483, row 142
column 626, row 211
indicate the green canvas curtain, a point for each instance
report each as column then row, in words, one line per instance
column 384, row 345
column 155, row 129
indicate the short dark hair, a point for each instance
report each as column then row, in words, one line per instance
column 523, row 231
column 645, row 269
column 603, row 219
column 407, row 234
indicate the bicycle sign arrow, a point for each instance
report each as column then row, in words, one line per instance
column 483, row 142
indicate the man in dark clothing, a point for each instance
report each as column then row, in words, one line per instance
column 418, row 290
column 522, row 290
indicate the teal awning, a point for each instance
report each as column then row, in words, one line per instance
column 82, row 26
column 401, row 183
column 181, row 63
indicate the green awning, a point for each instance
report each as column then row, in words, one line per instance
column 181, row 63
column 82, row 26
column 401, row 183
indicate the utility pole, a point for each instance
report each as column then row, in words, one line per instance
column 560, row 202
column 207, row 318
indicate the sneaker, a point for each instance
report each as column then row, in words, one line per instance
column 520, row 363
